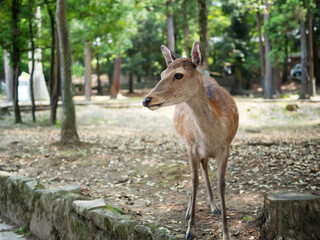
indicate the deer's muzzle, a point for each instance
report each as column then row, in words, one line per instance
column 146, row 101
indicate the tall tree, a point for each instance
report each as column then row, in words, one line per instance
column 236, row 43
column 33, row 105
column 304, row 93
column 268, row 81
column 16, row 51
column 285, row 63
column 316, row 62
column 87, row 76
column 99, row 87
column 54, row 76
column 113, row 26
column 203, row 30
column 170, row 25
column 261, row 47
column 131, row 82
column 187, row 43
column 312, row 79
column 286, row 18
column 69, row 132
column 115, row 88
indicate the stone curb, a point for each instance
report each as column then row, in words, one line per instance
column 63, row 213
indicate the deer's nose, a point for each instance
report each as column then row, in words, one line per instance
column 146, row 101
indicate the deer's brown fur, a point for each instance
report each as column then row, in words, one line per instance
column 206, row 119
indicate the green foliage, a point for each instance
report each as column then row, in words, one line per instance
column 24, row 231
column 282, row 27
column 110, row 21
column 218, row 21
column 26, row 12
column 146, row 44
column 234, row 46
column 137, row 29
column 77, row 69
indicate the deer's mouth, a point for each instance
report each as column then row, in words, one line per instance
column 155, row 106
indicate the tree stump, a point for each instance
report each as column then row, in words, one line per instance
column 291, row 215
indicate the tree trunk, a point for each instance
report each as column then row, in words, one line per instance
column 203, row 31
column 87, row 78
column 52, row 27
column 57, row 84
column 33, row 105
column 236, row 88
column 99, row 88
column 131, row 82
column 312, row 80
column 276, row 81
column 15, row 10
column 285, row 64
column 186, row 28
column 115, row 89
column 170, row 25
column 268, row 83
column 53, row 78
column 8, row 75
column 261, row 54
column 68, row 129
column 316, row 61
column 304, row 93
column 290, row 215
column 247, row 83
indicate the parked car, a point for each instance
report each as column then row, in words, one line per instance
column 296, row 71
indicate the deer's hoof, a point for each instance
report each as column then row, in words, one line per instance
column 189, row 236
column 216, row 212
column 187, row 217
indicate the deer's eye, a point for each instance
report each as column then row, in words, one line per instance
column 178, row 76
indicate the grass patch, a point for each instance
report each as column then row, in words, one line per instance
column 23, row 231
column 113, row 209
column 58, row 124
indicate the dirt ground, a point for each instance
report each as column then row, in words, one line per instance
column 132, row 158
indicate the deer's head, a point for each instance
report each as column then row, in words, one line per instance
column 179, row 82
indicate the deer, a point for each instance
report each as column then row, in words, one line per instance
column 206, row 119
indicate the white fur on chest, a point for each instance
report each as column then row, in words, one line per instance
column 201, row 133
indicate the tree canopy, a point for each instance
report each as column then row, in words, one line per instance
column 135, row 30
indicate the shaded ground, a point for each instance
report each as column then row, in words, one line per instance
column 132, row 158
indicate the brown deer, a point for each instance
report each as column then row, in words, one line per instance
column 206, row 118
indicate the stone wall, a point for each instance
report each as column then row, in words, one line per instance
column 63, row 213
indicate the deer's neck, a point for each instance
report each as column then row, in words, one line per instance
column 203, row 114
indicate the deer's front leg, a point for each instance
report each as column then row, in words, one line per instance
column 194, row 162
column 187, row 217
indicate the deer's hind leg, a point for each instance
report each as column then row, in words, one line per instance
column 222, row 160
column 210, row 201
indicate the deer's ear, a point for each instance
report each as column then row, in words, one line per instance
column 167, row 54
column 196, row 54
